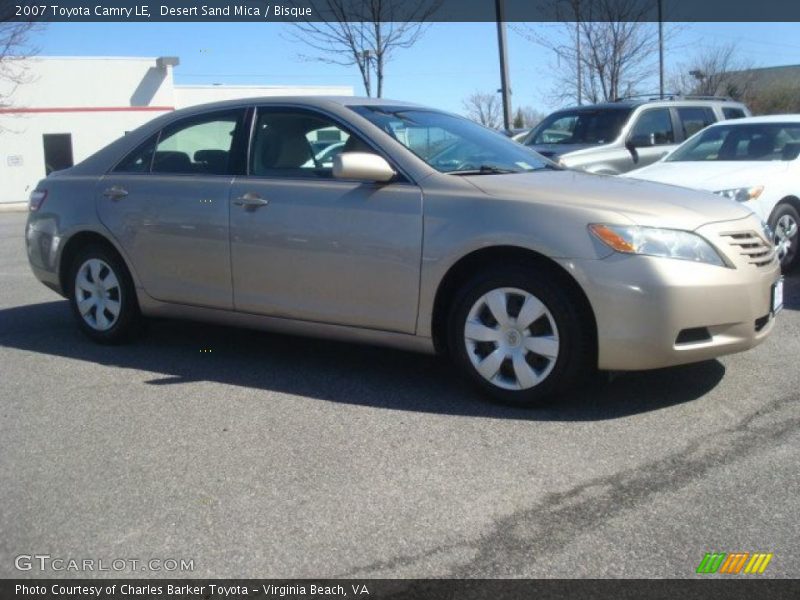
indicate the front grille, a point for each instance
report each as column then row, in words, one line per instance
column 751, row 246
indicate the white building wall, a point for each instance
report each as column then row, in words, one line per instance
column 96, row 100
column 191, row 95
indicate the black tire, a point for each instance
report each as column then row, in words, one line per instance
column 784, row 213
column 575, row 334
column 128, row 320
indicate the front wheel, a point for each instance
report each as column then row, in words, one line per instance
column 102, row 295
column 785, row 223
column 520, row 335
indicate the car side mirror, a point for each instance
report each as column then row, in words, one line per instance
column 642, row 141
column 362, row 166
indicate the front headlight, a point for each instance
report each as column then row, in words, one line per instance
column 654, row 241
column 742, row 194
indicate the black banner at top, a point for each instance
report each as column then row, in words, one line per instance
column 398, row 10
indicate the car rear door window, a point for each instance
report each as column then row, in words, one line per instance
column 693, row 119
column 200, row 145
column 655, row 125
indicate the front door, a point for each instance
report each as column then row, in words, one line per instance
column 307, row 246
column 167, row 205
column 655, row 127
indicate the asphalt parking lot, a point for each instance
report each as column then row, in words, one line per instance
column 260, row 455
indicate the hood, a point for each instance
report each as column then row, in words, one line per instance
column 645, row 203
column 711, row 175
column 553, row 151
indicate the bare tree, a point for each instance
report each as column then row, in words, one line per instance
column 610, row 50
column 527, row 116
column 775, row 99
column 483, row 108
column 364, row 33
column 715, row 71
column 14, row 49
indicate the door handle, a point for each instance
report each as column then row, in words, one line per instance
column 115, row 192
column 250, row 200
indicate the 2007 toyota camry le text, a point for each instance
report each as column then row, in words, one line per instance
column 392, row 223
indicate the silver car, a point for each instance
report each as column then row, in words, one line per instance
column 630, row 133
column 527, row 275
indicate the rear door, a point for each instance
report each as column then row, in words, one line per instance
column 167, row 205
column 693, row 119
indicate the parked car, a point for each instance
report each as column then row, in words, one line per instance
column 515, row 133
column 616, row 137
column 325, row 157
column 521, row 135
column 527, row 275
column 753, row 161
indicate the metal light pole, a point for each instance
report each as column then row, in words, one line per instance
column 579, row 66
column 660, row 52
column 505, row 90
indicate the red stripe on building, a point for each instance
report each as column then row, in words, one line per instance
column 89, row 109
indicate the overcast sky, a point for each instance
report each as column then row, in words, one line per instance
column 447, row 64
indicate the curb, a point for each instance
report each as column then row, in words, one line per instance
column 13, row 207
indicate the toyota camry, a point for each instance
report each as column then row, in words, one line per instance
column 426, row 232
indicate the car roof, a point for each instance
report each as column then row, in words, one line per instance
column 633, row 103
column 309, row 101
column 622, row 104
column 790, row 118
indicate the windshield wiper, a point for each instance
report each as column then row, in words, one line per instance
column 484, row 170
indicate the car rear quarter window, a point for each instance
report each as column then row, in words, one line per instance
column 139, row 160
column 733, row 113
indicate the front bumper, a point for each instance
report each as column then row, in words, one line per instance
column 643, row 304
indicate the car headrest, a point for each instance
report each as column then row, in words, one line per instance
column 214, row 161
column 170, row 161
column 759, row 146
column 790, row 151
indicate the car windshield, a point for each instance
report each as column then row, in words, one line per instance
column 581, row 126
column 452, row 144
column 741, row 142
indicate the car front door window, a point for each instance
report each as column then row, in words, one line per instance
column 298, row 145
column 655, row 127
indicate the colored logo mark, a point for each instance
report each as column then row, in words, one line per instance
column 734, row 563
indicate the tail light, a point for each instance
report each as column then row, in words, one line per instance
column 36, row 200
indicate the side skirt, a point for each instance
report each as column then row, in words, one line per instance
column 401, row 341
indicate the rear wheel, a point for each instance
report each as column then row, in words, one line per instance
column 520, row 336
column 785, row 224
column 102, row 295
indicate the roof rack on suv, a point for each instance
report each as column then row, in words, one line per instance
column 672, row 96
